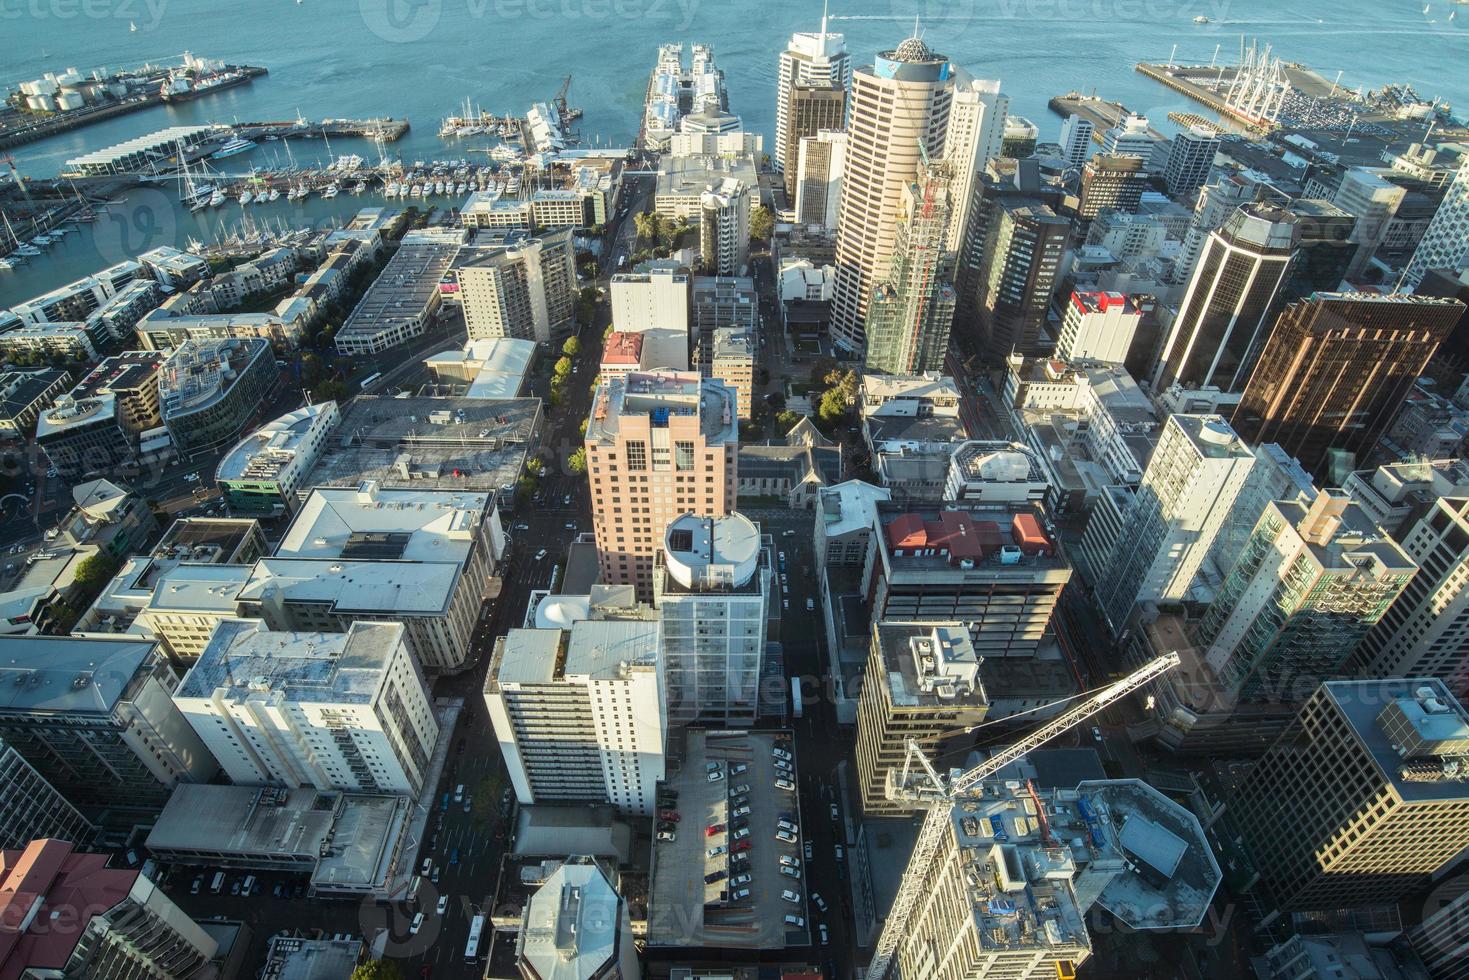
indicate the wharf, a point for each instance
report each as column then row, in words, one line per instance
column 1181, row 78
column 29, row 128
column 1102, row 114
column 386, row 129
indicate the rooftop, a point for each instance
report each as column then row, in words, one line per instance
column 571, row 926
column 51, row 875
column 163, row 141
column 930, row 665
column 266, row 452
column 1414, row 729
column 659, row 395
column 989, row 538
column 1212, row 437
column 405, row 288
column 206, row 539
column 69, row 674
column 244, row 661
column 711, row 552
column 200, row 372
column 998, row 462
column 368, row 521
column 199, row 588
column 690, row 176
column 403, row 588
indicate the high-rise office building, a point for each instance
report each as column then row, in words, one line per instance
column 1131, row 137
column 922, row 683
column 1425, row 633
column 1373, row 200
column 898, row 110
column 1223, row 317
column 579, row 712
column 912, row 308
column 818, row 197
column 1076, row 139
column 1311, row 581
column 1335, row 372
column 1217, row 200
column 713, row 590
column 973, row 137
column 1024, row 244
column 812, row 110
column 1186, row 495
column 1324, row 249
column 1190, row 158
column 659, row 445
column 1362, row 798
column 1445, row 242
column 96, row 719
column 811, row 62
column 525, row 289
column 724, row 227
column 334, row 711
column 719, row 303
column 1111, row 183
column 72, row 916
column 31, row 808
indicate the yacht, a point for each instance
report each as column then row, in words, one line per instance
column 10, row 263
column 275, row 195
column 246, row 197
column 217, row 198
column 27, row 251
column 359, row 187
column 234, row 146
column 330, row 191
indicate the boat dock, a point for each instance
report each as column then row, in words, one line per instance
column 1102, row 114
column 144, row 90
column 386, row 129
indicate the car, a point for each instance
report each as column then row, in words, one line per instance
column 740, row 790
column 198, row 884
column 468, row 802
column 673, row 815
column 444, row 803
column 569, row 526
column 191, row 477
column 790, row 872
column 740, row 834
column 810, row 605
column 781, row 754
column 714, row 876
column 740, row 845
column 454, row 855
column 783, row 767
column 522, row 527
column 442, row 906
column 739, row 895
column 234, row 888
column 459, row 793
column 788, row 534
column 739, row 880
column 540, row 555
column 739, row 864
column 840, row 853
column 1096, row 734
column 825, row 938
column 716, row 776
column 793, row 897
column 818, row 901
column 428, row 866
column 417, row 924
column 667, row 825
column 435, row 877
column 787, row 826
column 667, row 835
column 785, row 603
column 738, row 768
column 790, row 862
column 713, row 828
column 716, row 851
column 783, row 579
column 785, row 590
column 808, row 850
column 740, row 800
column 786, row 785
column 736, row 823
column 566, row 499
column 781, row 556
column 797, row 922
column 836, row 815
column 741, row 811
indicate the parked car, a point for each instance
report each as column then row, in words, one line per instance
column 713, row 828
column 716, row 775
column 667, row 835
column 739, row 880
column 443, row 905
column 742, row 811
column 818, row 901
column 795, row 921
column 836, row 814
column 739, row 895
column 741, row 834
column 808, row 850
column 417, row 924
column 790, row 872
column 740, row 790
column 716, row 851
column 714, row 876
column 790, row 896
column 790, row 862
column 781, row 754
column 738, row 768
column 673, row 815
column 825, row 938
column 786, row 785
column 740, row 845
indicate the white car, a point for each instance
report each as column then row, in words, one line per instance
column 785, row 836
column 781, row 754
column 716, row 775
column 191, row 477
column 540, row 554
column 443, row 905
column 790, row 872
column 786, row 785
column 825, row 939
column 793, row 897
column 795, row 920
column 417, row 924
column 818, row 901
column 835, row 813
column 790, row 862
column 715, row 851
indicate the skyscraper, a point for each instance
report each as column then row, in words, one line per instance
column 810, row 61
column 819, row 179
column 724, row 227
column 1311, row 581
column 912, row 309
column 1221, row 321
column 1426, row 631
column 1076, row 139
column 525, row 289
column 1335, row 371
column 1362, row 797
column 658, row 445
column 1111, row 183
column 1445, row 243
column 899, row 107
column 1185, row 497
column 1024, row 243
column 810, row 110
column 1190, row 159
column 974, row 136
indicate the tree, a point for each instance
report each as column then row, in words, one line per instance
column 330, row 391
column 577, row 461
column 572, row 347
column 562, row 368
column 786, row 421
column 535, row 466
column 648, row 225
column 762, row 223
column 582, row 427
column 95, row 571
column 377, row 970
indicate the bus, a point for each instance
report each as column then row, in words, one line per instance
column 796, row 696
column 471, row 948
column 368, row 381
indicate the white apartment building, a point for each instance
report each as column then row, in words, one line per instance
column 819, row 179
column 1445, row 242
column 1187, row 494
column 579, row 713
column 654, row 300
column 334, row 711
column 724, row 227
column 1098, row 326
column 1076, row 139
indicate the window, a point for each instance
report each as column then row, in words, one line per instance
column 637, row 455
column 683, row 456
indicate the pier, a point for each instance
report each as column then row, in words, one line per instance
column 386, row 129
column 1181, row 79
column 1102, row 114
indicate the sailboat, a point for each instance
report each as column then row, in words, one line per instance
column 133, row 26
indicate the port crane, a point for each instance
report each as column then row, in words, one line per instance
column 918, row 782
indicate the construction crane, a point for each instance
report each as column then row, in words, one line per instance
column 927, row 788
column 20, row 183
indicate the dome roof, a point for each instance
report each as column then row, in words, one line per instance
column 912, row 49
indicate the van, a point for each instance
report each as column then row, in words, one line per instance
column 413, row 885
column 217, row 883
column 248, row 888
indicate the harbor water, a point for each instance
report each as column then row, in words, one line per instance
column 421, row 59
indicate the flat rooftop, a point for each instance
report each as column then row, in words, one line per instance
column 68, row 674
column 571, row 928
column 690, row 176
column 266, row 452
column 1363, row 703
column 405, row 588
column 413, row 525
column 201, row 372
column 406, row 287
column 660, row 395
column 199, row 588
column 990, row 538
column 122, row 372
column 199, row 539
column 243, row 661
column 930, row 665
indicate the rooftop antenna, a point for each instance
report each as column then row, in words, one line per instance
column 917, row 32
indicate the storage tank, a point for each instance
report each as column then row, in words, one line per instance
column 70, row 100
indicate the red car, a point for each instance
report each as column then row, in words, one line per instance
column 740, row 845
column 713, row 828
column 669, row 815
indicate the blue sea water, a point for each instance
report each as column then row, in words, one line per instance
column 421, row 59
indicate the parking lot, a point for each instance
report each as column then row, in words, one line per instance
column 719, row 882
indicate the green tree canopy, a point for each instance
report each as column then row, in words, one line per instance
column 95, row 571
column 562, row 368
column 377, row 970
column 762, row 223
column 572, row 347
column 577, row 461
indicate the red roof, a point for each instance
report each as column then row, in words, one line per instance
column 623, row 348
column 52, row 892
column 1028, row 534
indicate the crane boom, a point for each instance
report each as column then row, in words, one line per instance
column 936, row 821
